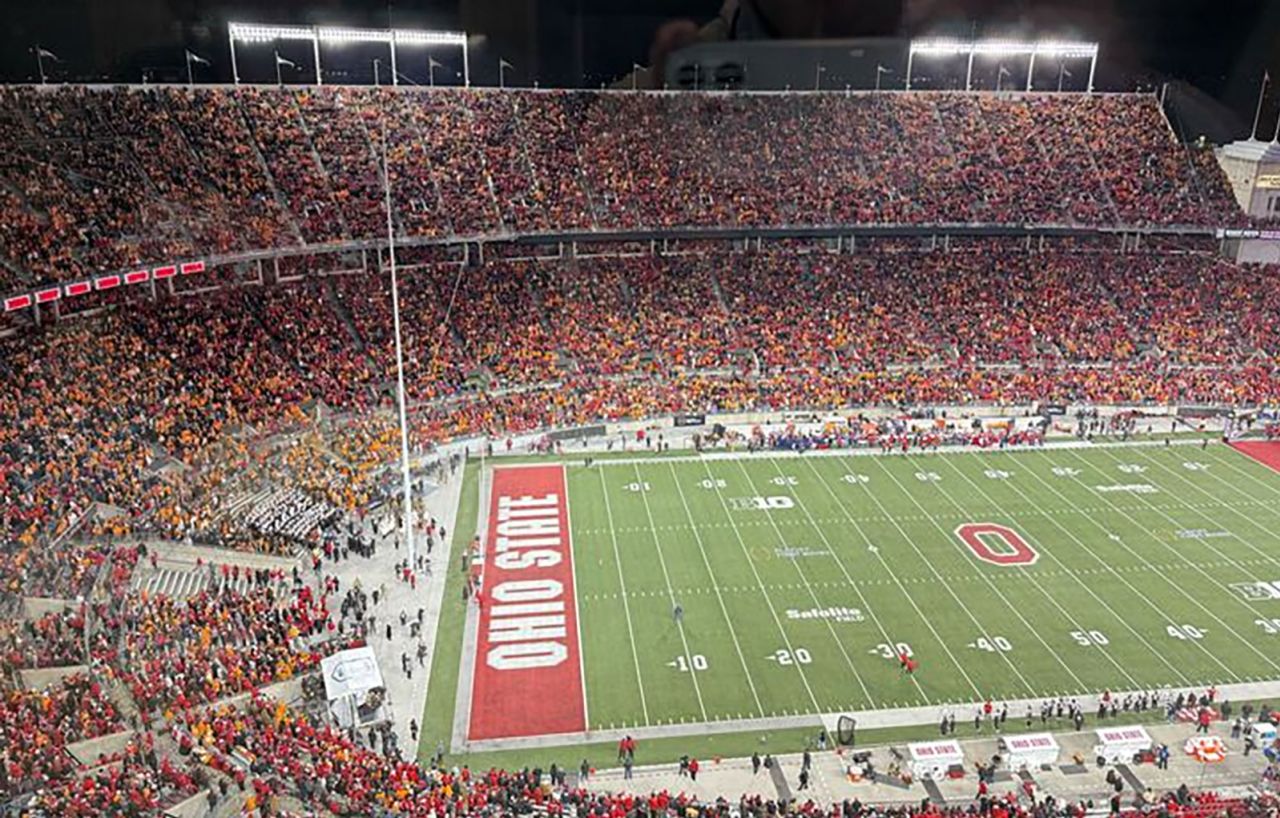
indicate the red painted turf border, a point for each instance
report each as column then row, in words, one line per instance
column 519, row 614
column 1266, row 452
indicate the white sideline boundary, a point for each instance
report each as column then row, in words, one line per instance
column 849, row 452
column 928, row 715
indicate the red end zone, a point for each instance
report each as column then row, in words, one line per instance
column 1266, row 452
column 528, row 667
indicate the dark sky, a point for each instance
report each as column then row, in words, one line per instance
column 1219, row 47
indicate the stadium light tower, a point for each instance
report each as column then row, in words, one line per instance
column 394, row 39
column 1003, row 48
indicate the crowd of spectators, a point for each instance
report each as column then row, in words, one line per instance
column 103, row 179
column 95, row 407
column 180, row 653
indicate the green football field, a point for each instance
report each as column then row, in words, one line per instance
column 1004, row 575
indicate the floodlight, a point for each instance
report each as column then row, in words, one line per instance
column 948, row 47
column 260, row 33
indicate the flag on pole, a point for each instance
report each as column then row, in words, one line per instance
column 1067, row 72
column 282, row 61
column 884, row 70
column 1004, row 72
column 505, row 64
column 196, row 58
column 47, row 54
column 432, row 63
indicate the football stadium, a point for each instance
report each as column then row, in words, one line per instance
column 817, row 413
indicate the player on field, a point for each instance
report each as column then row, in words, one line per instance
column 677, row 614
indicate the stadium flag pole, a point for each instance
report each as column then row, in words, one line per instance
column 375, row 71
column 395, row 315
column 432, row 65
column 817, row 77
column 503, row 65
column 41, row 53
column 193, row 58
column 279, row 79
column 1276, row 137
column 880, row 69
column 1262, row 94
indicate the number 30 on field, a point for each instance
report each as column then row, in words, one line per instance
column 888, row 651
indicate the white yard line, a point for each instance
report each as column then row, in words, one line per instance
column 928, row 623
column 688, row 655
column 782, row 540
column 1149, row 569
column 1031, row 575
column 626, row 606
column 1120, row 541
column 733, row 634
column 1270, row 532
column 1207, row 543
column 982, row 631
column 1228, row 458
column 577, row 623
column 835, row 555
column 1105, row 569
column 763, row 590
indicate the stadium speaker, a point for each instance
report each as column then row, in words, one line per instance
column 844, row 730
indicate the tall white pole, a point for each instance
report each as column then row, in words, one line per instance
column 431, row 72
column 279, row 79
column 1062, row 67
column 190, row 80
column 1031, row 69
column 375, row 71
column 395, row 72
column 817, row 77
column 1262, row 94
column 1093, row 67
column 911, row 55
column 315, row 55
column 40, row 63
column 502, row 73
column 879, row 70
column 968, row 74
column 466, row 66
column 395, row 316
column 235, row 70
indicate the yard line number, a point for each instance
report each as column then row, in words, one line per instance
column 1185, row 632
column 697, row 661
column 800, row 656
column 1086, row 639
column 992, row 645
column 1271, row 627
column 888, row 651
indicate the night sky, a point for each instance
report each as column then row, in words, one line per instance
column 1218, row 50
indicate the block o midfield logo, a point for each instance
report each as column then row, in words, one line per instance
column 997, row 544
